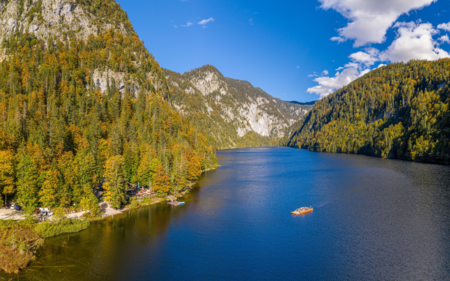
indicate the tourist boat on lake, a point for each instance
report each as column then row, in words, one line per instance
column 302, row 210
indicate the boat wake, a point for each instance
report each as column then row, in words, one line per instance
column 360, row 185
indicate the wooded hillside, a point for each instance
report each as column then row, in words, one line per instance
column 60, row 133
column 398, row 111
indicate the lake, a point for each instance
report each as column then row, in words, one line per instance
column 373, row 219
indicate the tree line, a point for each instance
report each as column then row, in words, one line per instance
column 398, row 111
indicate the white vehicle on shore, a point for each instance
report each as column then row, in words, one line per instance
column 46, row 212
column 15, row 206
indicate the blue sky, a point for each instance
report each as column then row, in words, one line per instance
column 285, row 47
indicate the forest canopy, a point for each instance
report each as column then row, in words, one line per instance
column 398, row 111
column 60, row 134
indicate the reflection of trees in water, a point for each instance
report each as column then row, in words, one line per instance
column 97, row 252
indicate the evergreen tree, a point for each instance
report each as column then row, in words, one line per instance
column 115, row 184
column 89, row 201
column 49, row 192
column 27, row 184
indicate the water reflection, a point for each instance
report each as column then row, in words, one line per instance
column 374, row 219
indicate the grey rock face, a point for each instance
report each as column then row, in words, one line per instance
column 33, row 28
column 66, row 14
column 58, row 10
column 235, row 102
column 62, row 10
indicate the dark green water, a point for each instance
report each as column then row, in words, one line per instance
column 373, row 219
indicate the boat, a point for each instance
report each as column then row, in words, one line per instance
column 302, row 210
column 181, row 203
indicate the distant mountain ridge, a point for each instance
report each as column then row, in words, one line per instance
column 303, row 103
column 233, row 112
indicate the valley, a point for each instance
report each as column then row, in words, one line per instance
column 92, row 126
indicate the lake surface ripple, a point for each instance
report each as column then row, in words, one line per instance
column 373, row 219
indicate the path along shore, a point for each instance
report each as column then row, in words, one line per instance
column 106, row 210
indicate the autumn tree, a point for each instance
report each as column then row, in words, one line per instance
column 48, row 195
column 114, row 181
column 193, row 166
column 6, row 173
column 161, row 182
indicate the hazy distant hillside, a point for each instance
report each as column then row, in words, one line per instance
column 397, row 111
column 233, row 112
column 303, row 103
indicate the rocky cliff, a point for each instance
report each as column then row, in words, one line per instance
column 232, row 112
column 229, row 108
column 65, row 20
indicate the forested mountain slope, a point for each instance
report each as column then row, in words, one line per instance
column 397, row 111
column 81, row 97
column 232, row 112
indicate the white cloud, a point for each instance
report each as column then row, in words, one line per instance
column 298, row 66
column 365, row 58
column 338, row 39
column 315, row 74
column 414, row 41
column 189, row 23
column 369, row 19
column 352, row 65
column 444, row 26
column 327, row 85
column 205, row 21
column 364, row 72
column 359, row 65
column 444, row 39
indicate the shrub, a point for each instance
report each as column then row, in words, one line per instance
column 17, row 247
column 49, row 229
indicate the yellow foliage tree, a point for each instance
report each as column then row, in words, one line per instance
column 6, row 173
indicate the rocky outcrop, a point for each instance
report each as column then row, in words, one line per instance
column 232, row 104
column 46, row 18
column 209, row 82
column 65, row 20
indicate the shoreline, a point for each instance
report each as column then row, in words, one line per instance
column 186, row 190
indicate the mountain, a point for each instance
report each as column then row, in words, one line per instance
column 82, row 98
column 397, row 111
column 232, row 112
column 303, row 103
